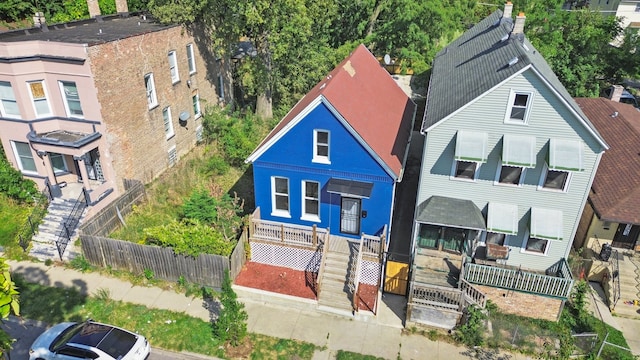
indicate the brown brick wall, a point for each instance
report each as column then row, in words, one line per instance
column 522, row 304
column 135, row 135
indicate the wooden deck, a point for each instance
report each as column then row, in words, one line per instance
column 437, row 267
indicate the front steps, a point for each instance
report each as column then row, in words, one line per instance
column 43, row 243
column 334, row 294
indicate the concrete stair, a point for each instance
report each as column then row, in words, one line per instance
column 43, row 243
column 629, row 272
column 335, row 297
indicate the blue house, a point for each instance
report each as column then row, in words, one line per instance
column 335, row 159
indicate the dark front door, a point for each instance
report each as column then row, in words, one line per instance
column 350, row 216
column 626, row 236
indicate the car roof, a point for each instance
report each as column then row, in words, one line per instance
column 110, row 339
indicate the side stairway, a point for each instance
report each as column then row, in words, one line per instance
column 335, row 295
column 43, row 243
column 628, row 276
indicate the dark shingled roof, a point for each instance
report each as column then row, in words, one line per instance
column 92, row 32
column 615, row 192
column 441, row 210
column 479, row 60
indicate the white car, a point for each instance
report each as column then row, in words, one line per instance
column 88, row 340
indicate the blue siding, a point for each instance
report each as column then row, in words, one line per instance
column 291, row 157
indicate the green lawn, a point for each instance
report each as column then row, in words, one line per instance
column 12, row 217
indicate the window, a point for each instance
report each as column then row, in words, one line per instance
column 321, row 146
column 173, row 67
column 71, row 98
column 58, row 163
column 280, row 196
column 8, row 103
column 311, row 200
column 555, row 179
column 199, row 134
column 519, row 106
column 196, row 105
column 39, row 98
column 510, row 175
column 168, row 123
column 191, row 60
column 173, row 156
column 495, row 238
column 465, row 169
column 152, row 100
column 637, row 7
column 24, row 156
column 536, row 245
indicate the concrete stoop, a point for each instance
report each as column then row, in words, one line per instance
column 43, row 243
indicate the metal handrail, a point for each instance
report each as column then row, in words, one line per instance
column 615, row 277
column 70, row 223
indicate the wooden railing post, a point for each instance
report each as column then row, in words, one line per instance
column 282, row 232
column 314, row 236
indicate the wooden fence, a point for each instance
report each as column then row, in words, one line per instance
column 111, row 217
column 166, row 265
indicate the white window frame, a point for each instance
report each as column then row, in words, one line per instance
column 191, row 59
column 67, row 108
column 274, row 210
column 167, row 121
column 195, row 100
column 485, row 234
column 12, row 99
column 525, row 241
column 317, row 158
column 543, row 177
column 527, row 109
column 172, row 155
column 499, row 172
column 150, row 89
column 458, row 178
column 44, row 99
column 64, row 163
column 173, row 67
column 305, row 215
column 19, row 158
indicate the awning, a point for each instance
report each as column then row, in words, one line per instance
column 471, row 146
column 440, row 210
column 353, row 188
column 546, row 224
column 519, row 150
column 566, row 155
column 502, row 218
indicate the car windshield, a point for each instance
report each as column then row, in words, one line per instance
column 64, row 336
column 112, row 341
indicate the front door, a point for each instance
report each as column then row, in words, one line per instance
column 626, row 236
column 350, row 216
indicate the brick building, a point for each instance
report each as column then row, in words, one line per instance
column 105, row 99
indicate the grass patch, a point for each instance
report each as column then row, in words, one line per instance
column 267, row 348
column 165, row 329
column 13, row 217
column 348, row 355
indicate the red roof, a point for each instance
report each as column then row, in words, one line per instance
column 366, row 96
column 615, row 193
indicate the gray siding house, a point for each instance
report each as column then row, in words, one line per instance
column 508, row 162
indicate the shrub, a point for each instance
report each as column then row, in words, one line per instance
column 13, row 184
column 471, row 333
column 231, row 324
column 189, row 237
column 216, row 165
column 223, row 212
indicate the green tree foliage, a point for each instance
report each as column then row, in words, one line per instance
column 16, row 10
column 231, row 324
column 13, row 184
column 189, row 237
column 9, row 303
column 223, row 213
column 72, row 10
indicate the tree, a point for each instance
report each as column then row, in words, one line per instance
column 9, row 303
column 231, row 324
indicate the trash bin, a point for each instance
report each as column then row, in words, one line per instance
column 605, row 252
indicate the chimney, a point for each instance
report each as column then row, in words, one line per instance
column 122, row 7
column 518, row 27
column 616, row 93
column 508, row 9
column 94, row 8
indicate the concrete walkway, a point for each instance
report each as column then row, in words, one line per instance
column 277, row 316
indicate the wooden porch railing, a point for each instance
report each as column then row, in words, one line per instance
column 374, row 246
column 472, row 294
column 436, row 296
column 557, row 282
column 323, row 258
column 288, row 233
column 355, row 277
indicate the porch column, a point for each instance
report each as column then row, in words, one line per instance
column 83, row 171
column 47, row 165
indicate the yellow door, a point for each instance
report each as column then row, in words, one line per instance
column 396, row 278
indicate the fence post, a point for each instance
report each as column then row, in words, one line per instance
column 282, row 232
column 314, row 237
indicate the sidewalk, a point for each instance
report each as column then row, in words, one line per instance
column 277, row 316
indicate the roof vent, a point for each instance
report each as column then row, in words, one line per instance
column 504, row 38
column 615, row 114
column 513, row 61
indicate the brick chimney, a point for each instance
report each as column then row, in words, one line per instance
column 508, row 9
column 616, row 93
column 122, row 7
column 518, row 27
column 94, row 8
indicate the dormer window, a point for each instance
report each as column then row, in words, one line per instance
column 519, row 107
column 321, row 146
